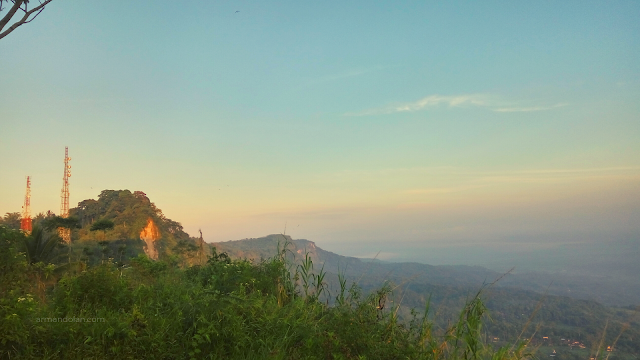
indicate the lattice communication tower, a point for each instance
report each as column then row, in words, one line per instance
column 25, row 222
column 65, row 233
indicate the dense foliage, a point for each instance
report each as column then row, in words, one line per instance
column 223, row 309
column 120, row 215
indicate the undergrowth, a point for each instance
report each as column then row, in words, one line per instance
column 224, row 309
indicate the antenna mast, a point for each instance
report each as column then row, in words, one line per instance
column 65, row 233
column 25, row 222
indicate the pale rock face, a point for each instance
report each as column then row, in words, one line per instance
column 149, row 235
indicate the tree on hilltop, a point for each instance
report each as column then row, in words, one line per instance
column 104, row 225
column 55, row 222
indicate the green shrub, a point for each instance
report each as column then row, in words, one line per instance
column 233, row 309
column 96, row 288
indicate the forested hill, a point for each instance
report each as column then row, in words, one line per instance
column 130, row 213
column 137, row 224
column 120, row 224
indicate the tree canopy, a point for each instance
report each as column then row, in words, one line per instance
column 55, row 222
column 11, row 220
column 102, row 224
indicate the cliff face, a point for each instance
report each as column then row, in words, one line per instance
column 149, row 235
column 306, row 247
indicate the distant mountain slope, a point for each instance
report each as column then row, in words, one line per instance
column 266, row 247
column 607, row 290
column 511, row 301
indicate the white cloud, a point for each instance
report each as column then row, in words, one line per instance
column 527, row 109
column 440, row 190
column 427, row 102
column 453, row 101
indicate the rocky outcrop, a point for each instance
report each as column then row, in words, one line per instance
column 149, row 235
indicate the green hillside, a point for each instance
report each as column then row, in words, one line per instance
column 130, row 213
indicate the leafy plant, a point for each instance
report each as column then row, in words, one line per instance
column 41, row 246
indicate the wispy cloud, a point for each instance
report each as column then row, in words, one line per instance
column 451, row 101
column 489, row 102
column 472, row 180
column 528, row 109
column 440, row 190
column 427, row 102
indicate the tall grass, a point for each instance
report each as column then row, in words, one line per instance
column 234, row 309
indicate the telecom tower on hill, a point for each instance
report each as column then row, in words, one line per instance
column 65, row 233
column 25, row 222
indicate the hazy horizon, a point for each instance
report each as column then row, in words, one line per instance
column 410, row 129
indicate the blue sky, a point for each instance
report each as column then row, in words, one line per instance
column 359, row 123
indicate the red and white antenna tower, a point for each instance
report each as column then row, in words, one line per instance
column 65, row 233
column 25, row 222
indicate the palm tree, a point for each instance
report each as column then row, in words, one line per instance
column 40, row 249
column 41, row 246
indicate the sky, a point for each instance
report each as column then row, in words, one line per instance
column 391, row 127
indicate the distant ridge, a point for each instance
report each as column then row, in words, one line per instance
column 511, row 301
column 584, row 288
